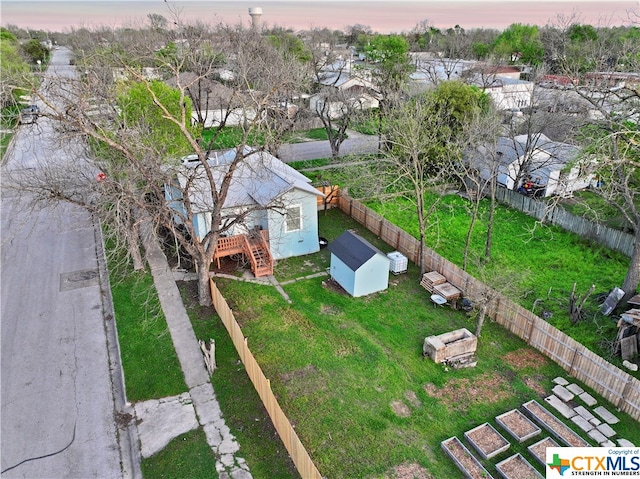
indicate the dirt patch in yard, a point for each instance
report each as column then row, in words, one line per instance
column 461, row 393
column 412, row 397
column 535, row 382
column 332, row 285
column 409, row 471
column 400, row 408
column 298, row 373
column 525, row 358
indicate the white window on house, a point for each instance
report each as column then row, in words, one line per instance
column 293, row 218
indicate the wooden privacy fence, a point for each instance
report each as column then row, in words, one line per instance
column 292, row 443
column 612, row 238
column 612, row 383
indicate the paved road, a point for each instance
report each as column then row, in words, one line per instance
column 57, row 394
column 355, row 144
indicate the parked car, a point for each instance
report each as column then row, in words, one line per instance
column 29, row 114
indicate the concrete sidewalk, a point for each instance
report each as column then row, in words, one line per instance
column 171, row 417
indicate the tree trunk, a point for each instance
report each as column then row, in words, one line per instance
column 204, row 290
column 481, row 315
column 492, row 210
column 630, row 284
column 133, row 245
column 467, row 242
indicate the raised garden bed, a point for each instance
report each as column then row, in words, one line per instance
column 486, row 440
column 466, row 462
column 517, row 467
column 539, row 449
column 518, row 425
column 552, row 424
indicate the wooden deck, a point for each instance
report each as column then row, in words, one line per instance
column 253, row 246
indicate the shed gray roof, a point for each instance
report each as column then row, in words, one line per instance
column 353, row 250
column 259, row 179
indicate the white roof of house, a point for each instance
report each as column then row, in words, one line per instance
column 258, row 180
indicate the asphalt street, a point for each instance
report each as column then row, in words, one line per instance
column 355, row 144
column 57, row 388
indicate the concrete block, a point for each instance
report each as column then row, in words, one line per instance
column 559, row 406
column 588, row 399
column 625, row 443
column 597, row 436
column 563, row 393
column 582, row 423
column 608, row 444
column 584, row 412
column 561, row 381
column 606, row 415
column 595, row 421
column 575, row 389
column 606, row 430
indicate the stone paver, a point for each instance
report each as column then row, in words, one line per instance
column 561, row 407
column 584, row 412
column 561, row 381
column 575, row 389
column 562, row 392
column 625, row 443
column 588, row 399
column 606, row 415
column 597, row 436
column 595, row 421
column 606, row 430
column 582, row 423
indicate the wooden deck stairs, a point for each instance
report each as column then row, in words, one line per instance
column 254, row 246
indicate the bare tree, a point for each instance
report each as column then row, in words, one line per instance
column 612, row 138
column 478, row 173
column 136, row 141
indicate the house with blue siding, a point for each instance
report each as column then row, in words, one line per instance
column 358, row 266
column 266, row 198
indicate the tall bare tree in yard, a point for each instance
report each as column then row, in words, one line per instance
column 425, row 139
column 137, row 129
column 612, row 139
column 478, row 173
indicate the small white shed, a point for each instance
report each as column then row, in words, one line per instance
column 358, row 266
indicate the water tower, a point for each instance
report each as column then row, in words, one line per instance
column 255, row 13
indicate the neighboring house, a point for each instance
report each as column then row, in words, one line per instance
column 265, row 196
column 358, row 266
column 359, row 92
column 553, row 167
column 215, row 102
column 508, row 93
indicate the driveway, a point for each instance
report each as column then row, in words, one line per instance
column 61, row 382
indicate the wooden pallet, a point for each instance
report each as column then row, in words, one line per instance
column 436, row 283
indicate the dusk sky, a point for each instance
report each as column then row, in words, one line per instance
column 383, row 16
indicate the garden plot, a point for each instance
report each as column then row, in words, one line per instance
column 539, row 449
column 487, row 441
column 517, row 467
column 553, row 425
column 518, row 425
column 463, row 458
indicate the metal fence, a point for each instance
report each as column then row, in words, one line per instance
column 612, row 238
column 290, row 439
column 612, row 383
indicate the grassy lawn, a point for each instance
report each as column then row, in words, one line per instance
column 150, row 364
column 188, row 455
column 552, row 260
column 350, row 375
column 231, row 136
column 8, row 122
